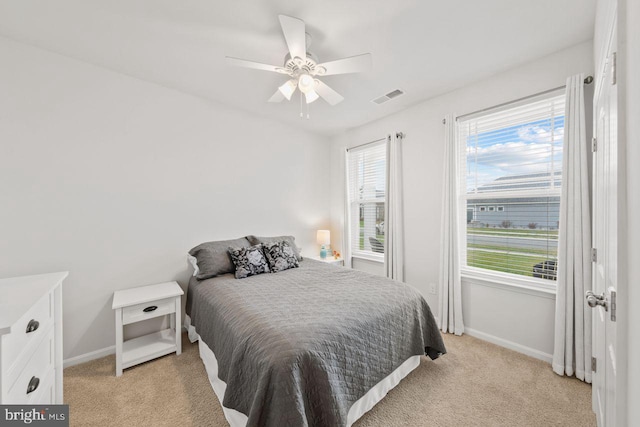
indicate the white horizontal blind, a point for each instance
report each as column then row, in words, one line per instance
column 512, row 175
column 367, row 180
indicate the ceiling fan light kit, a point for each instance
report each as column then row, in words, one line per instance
column 302, row 66
column 288, row 88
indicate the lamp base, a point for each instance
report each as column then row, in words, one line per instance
column 323, row 252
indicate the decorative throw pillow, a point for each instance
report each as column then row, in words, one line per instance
column 213, row 257
column 280, row 256
column 254, row 240
column 249, row 261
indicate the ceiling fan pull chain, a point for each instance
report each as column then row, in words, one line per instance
column 301, row 115
column 308, row 112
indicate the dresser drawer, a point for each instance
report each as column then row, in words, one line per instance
column 136, row 313
column 36, row 373
column 27, row 333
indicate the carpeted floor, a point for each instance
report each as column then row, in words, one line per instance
column 475, row 384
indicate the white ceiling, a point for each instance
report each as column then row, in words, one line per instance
column 425, row 48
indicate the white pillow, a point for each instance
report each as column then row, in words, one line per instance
column 194, row 263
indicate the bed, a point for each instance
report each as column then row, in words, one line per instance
column 317, row 345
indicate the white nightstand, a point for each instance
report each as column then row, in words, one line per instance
column 328, row 260
column 146, row 302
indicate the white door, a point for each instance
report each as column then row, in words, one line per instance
column 605, row 232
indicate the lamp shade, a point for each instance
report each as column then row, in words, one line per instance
column 311, row 96
column 323, row 237
column 288, row 88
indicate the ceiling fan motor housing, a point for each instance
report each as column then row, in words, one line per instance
column 296, row 66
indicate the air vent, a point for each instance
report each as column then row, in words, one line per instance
column 388, row 97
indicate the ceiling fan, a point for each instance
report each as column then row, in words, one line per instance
column 303, row 67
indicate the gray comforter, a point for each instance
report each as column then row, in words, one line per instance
column 299, row 347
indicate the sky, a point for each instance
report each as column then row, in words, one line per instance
column 523, row 148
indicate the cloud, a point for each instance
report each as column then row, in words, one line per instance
column 536, row 133
column 531, row 153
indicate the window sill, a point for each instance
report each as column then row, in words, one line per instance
column 368, row 257
column 524, row 285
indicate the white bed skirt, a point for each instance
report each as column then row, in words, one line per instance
column 357, row 410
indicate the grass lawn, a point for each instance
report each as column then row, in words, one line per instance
column 505, row 262
column 380, row 237
column 502, row 260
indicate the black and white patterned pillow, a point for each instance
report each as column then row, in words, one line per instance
column 249, row 261
column 280, row 255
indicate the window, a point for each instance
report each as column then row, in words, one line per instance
column 367, row 167
column 513, row 157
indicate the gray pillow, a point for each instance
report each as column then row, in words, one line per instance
column 214, row 259
column 249, row 261
column 254, row 240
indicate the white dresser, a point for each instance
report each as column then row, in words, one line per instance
column 31, row 339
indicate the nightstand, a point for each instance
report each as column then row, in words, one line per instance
column 328, row 260
column 138, row 304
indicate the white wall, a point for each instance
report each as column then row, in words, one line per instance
column 524, row 321
column 115, row 179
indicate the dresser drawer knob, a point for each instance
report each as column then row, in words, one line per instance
column 33, row 325
column 33, row 385
column 150, row 308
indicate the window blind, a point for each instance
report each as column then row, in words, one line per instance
column 367, row 168
column 510, row 179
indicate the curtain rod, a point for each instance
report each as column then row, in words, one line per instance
column 367, row 143
column 588, row 80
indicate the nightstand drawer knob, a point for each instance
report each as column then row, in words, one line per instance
column 33, row 325
column 33, row 384
column 150, row 308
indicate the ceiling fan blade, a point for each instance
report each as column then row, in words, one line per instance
column 237, row 62
column 294, row 35
column 276, row 97
column 328, row 94
column 352, row 64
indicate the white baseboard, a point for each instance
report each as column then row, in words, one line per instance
column 87, row 357
column 537, row 354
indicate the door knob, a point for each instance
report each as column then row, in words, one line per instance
column 595, row 300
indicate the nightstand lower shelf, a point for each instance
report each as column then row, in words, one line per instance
column 147, row 347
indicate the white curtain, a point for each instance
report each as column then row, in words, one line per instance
column 394, row 228
column 572, row 348
column 346, row 226
column 450, row 295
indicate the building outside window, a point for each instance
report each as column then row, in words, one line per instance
column 511, row 172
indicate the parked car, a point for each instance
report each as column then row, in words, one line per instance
column 546, row 270
column 380, row 227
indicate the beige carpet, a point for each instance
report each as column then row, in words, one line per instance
column 475, row 384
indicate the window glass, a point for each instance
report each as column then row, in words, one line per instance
column 367, row 181
column 513, row 157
